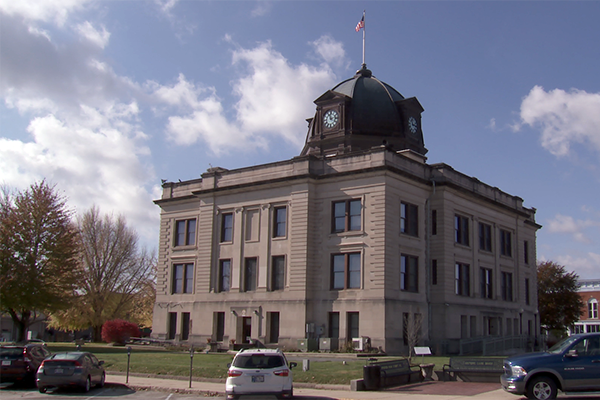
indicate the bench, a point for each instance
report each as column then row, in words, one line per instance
column 474, row 369
column 383, row 374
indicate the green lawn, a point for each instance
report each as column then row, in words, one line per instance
column 158, row 361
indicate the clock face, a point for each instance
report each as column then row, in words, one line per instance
column 412, row 125
column 330, row 119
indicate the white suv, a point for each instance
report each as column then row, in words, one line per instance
column 260, row 372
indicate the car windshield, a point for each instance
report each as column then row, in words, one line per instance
column 66, row 356
column 11, row 354
column 260, row 361
column 562, row 345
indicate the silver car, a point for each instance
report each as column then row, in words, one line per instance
column 73, row 369
column 260, row 372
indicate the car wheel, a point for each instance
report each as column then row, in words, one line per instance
column 102, row 380
column 42, row 389
column 541, row 388
column 88, row 385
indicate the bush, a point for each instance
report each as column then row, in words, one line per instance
column 119, row 331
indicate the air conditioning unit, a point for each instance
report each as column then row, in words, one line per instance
column 360, row 344
column 328, row 344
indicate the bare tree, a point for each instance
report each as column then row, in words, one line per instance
column 412, row 331
column 116, row 273
column 38, row 248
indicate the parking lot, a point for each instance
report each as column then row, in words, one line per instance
column 108, row 392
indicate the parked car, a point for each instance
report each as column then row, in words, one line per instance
column 19, row 363
column 73, row 369
column 571, row 365
column 260, row 372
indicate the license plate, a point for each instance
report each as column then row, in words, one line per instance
column 58, row 371
column 258, row 378
column 6, row 362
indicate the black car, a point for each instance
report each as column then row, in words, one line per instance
column 572, row 365
column 19, row 363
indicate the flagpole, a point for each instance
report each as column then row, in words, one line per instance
column 364, row 35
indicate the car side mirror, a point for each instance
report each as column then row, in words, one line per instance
column 572, row 353
column 100, row 362
column 293, row 364
column 229, row 365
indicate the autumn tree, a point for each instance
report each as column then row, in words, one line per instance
column 117, row 273
column 559, row 302
column 38, row 248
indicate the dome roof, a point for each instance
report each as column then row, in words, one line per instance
column 363, row 112
column 373, row 108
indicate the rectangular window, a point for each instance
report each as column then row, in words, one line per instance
column 219, row 318
column 250, row 274
column 409, row 273
column 409, row 219
column 185, row 232
column 507, row 286
column 279, row 221
column 352, row 320
column 185, row 326
column 434, row 272
column 278, row 273
column 273, row 318
column 527, row 291
column 345, row 271
column 334, row 325
column 526, row 252
column 227, row 227
column 505, row 243
column 593, row 309
column 462, row 279
column 183, row 278
column 485, row 237
column 252, row 225
column 434, row 222
column 461, row 228
column 224, row 275
column 486, row 283
column 346, row 216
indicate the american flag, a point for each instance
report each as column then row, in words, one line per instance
column 361, row 23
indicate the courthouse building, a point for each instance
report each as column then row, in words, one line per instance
column 345, row 243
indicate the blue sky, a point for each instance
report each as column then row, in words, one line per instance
column 106, row 98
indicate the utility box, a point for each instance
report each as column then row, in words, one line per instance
column 329, row 344
column 305, row 345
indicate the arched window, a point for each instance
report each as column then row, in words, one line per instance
column 593, row 308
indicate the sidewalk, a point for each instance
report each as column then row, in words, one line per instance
column 421, row 391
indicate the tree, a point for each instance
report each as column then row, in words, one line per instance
column 38, row 248
column 559, row 302
column 116, row 274
column 412, row 331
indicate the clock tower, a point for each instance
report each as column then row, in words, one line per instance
column 363, row 112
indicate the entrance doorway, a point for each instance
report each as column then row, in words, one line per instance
column 246, row 329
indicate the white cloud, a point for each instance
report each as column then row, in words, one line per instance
column 274, row 99
column 586, row 265
column 98, row 38
column 330, row 50
column 564, row 118
column 56, row 11
column 261, row 8
column 576, row 228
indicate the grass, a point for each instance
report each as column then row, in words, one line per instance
column 159, row 361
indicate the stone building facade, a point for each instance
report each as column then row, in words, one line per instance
column 347, row 243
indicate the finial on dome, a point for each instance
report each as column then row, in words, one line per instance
column 364, row 71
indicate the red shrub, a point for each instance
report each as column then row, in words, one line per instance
column 119, row 331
